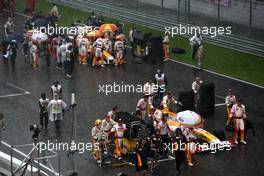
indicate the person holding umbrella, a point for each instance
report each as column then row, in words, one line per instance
column 56, row 108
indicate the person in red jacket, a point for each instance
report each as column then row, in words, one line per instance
column 1, row 7
column 10, row 5
column 12, row 8
column 30, row 6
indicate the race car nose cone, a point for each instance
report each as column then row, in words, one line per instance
column 189, row 118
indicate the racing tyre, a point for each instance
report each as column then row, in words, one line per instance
column 219, row 134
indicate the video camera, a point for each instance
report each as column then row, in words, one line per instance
column 36, row 130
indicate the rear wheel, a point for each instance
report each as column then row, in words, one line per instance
column 219, row 134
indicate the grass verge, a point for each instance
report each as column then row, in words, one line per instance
column 221, row 60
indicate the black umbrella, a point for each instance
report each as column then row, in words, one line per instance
column 17, row 37
column 40, row 22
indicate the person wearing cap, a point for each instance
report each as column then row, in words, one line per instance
column 119, row 129
column 167, row 100
column 142, row 105
column 230, row 100
column 96, row 136
column 107, row 125
column 238, row 113
column 56, row 89
column 56, row 108
column 43, row 111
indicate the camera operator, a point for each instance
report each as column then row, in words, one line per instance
column 36, row 130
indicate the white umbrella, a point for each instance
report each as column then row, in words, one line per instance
column 39, row 37
column 189, row 118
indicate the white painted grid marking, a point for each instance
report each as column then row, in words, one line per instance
column 25, row 92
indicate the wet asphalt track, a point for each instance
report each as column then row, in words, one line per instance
column 21, row 111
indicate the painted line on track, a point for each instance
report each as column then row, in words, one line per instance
column 220, row 104
column 25, row 92
column 219, row 74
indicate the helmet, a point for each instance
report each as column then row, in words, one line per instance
column 98, row 122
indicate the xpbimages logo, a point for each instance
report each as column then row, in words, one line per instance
column 80, row 147
column 212, row 31
column 212, row 147
column 128, row 88
column 62, row 30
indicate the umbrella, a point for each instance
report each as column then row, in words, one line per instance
column 189, row 118
column 108, row 28
column 185, row 118
column 40, row 22
column 94, row 34
column 16, row 37
column 39, row 37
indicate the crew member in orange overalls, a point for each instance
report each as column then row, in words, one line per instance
column 54, row 46
column 98, row 55
column 190, row 137
column 230, row 100
column 167, row 100
column 83, row 51
column 141, row 108
column 119, row 130
column 166, row 47
column 96, row 135
column 119, row 49
column 238, row 112
column 33, row 50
